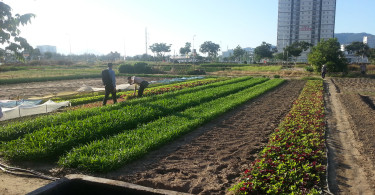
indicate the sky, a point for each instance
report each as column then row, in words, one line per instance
column 102, row 26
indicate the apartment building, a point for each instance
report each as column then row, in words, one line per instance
column 305, row 20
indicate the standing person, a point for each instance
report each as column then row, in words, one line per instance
column 1, row 112
column 109, row 82
column 138, row 81
column 363, row 69
column 324, row 70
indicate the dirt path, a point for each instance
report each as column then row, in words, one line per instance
column 14, row 185
column 350, row 171
column 210, row 159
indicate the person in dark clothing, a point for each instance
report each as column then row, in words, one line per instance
column 109, row 82
column 363, row 69
column 324, row 71
column 138, row 81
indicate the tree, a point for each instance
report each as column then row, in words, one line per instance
column 210, row 48
column 238, row 52
column 113, row 56
column 185, row 50
column 372, row 55
column 263, row 51
column 10, row 34
column 35, row 53
column 160, row 49
column 328, row 52
column 297, row 48
column 48, row 55
column 359, row 49
column 280, row 56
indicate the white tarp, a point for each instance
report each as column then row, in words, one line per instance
column 14, row 103
column 26, row 110
column 122, row 87
column 127, row 87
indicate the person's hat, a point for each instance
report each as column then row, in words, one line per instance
column 110, row 64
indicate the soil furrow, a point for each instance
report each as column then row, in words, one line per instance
column 211, row 159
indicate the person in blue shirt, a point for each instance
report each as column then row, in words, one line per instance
column 109, row 81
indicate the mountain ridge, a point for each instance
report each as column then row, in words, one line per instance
column 347, row 38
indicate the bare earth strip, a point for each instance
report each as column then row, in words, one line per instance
column 351, row 131
column 211, row 159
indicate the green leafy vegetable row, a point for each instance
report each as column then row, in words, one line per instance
column 52, row 140
column 85, row 100
column 18, row 129
column 111, row 153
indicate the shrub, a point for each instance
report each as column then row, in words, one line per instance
column 196, row 72
column 309, row 68
column 126, row 68
column 142, row 68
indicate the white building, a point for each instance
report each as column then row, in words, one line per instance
column 229, row 52
column 352, row 58
column 46, row 48
column 305, row 20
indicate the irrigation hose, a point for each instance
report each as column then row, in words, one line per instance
column 15, row 171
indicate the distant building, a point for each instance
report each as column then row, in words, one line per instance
column 365, row 39
column 229, row 52
column 46, row 48
column 305, row 20
column 351, row 57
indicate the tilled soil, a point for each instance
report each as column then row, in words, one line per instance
column 211, row 159
column 351, row 135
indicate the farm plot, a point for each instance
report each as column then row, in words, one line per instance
column 208, row 160
column 49, row 140
column 235, row 141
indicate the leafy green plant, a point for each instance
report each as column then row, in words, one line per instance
column 294, row 161
column 111, row 153
column 15, row 130
column 51, row 141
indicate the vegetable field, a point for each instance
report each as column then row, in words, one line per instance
column 114, row 138
column 52, row 136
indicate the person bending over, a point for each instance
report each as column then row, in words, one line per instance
column 140, row 82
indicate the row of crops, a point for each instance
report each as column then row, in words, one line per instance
column 84, row 138
column 294, row 160
column 101, row 139
column 17, row 129
column 148, row 91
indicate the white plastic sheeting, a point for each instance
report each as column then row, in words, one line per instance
column 26, row 110
column 14, row 103
column 122, row 87
column 127, row 87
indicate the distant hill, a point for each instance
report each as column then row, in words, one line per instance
column 347, row 38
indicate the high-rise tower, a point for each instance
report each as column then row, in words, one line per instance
column 305, row 20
